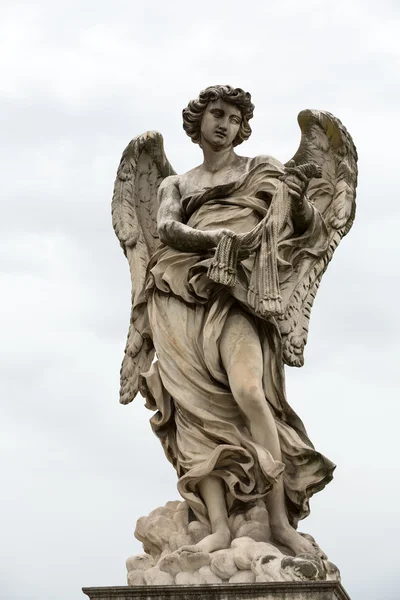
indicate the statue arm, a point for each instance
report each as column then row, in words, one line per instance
column 302, row 213
column 301, row 209
column 172, row 231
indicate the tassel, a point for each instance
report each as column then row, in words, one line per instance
column 263, row 294
column 223, row 268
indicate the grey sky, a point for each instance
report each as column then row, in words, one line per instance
column 78, row 80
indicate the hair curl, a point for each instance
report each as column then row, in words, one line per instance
column 193, row 113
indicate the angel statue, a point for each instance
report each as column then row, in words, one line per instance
column 225, row 263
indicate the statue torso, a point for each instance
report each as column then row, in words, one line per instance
column 199, row 178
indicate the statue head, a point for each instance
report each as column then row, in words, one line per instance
column 193, row 113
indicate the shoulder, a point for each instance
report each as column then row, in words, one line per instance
column 266, row 159
column 169, row 188
column 244, row 163
column 169, row 182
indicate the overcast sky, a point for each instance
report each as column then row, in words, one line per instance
column 78, row 80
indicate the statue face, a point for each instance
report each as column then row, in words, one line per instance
column 220, row 124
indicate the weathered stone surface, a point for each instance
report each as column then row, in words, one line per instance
column 141, row 562
column 257, row 531
column 136, row 578
column 216, row 426
column 207, row 576
column 259, row 561
column 197, row 531
column 235, row 522
column 155, row 576
column 243, row 577
column 242, row 554
column 267, row 568
column 170, row 563
column 223, row 564
column 322, row 590
column 180, row 515
column 306, row 567
column 192, row 561
column 331, row 571
column 186, row 578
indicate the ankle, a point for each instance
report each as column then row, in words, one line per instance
column 220, row 524
column 223, row 530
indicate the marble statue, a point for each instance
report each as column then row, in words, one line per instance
column 225, row 262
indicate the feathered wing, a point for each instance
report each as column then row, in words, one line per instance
column 326, row 142
column 142, row 168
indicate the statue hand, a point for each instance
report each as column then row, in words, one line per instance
column 297, row 182
column 216, row 235
column 244, row 252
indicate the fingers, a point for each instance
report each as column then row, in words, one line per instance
column 294, row 187
column 295, row 195
column 228, row 231
column 296, row 190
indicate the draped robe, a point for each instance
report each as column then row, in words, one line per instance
column 201, row 428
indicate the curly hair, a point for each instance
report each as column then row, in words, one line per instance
column 193, row 113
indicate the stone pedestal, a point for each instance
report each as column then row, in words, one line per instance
column 324, row 590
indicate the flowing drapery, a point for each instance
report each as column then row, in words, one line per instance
column 200, row 426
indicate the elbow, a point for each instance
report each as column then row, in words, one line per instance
column 165, row 229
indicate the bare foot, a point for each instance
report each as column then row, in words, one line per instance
column 290, row 538
column 215, row 541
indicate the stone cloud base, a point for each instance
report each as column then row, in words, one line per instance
column 322, row 590
column 167, row 534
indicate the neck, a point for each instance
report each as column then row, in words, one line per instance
column 217, row 159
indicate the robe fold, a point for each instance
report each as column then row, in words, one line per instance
column 201, row 428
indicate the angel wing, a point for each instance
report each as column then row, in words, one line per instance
column 142, row 168
column 326, row 142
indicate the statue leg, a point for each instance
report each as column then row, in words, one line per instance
column 212, row 491
column 242, row 357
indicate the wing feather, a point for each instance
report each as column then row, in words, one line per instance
column 326, row 142
column 142, row 168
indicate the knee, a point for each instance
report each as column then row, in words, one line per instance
column 251, row 399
